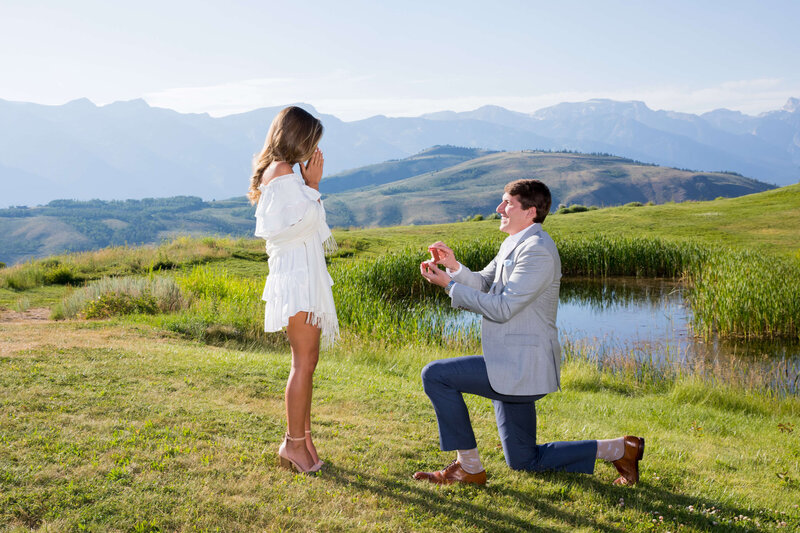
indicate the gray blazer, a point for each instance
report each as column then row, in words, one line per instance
column 518, row 298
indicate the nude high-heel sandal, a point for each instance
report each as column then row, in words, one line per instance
column 288, row 463
column 319, row 463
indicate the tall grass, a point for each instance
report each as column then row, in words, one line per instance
column 746, row 294
column 50, row 271
column 601, row 256
column 733, row 293
column 224, row 308
column 657, row 368
column 76, row 268
column 387, row 297
column 121, row 296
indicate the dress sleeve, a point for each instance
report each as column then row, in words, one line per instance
column 282, row 205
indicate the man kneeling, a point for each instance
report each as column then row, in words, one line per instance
column 517, row 295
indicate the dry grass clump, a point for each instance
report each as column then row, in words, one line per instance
column 122, row 296
column 76, row 268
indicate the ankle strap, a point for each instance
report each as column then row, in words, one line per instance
column 289, row 437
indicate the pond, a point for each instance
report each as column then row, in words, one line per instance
column 649, row 321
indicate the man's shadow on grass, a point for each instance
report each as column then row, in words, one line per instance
column 455, row 501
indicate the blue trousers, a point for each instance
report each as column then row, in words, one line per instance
column 446, row 379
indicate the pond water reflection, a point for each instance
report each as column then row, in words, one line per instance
column 650, row 321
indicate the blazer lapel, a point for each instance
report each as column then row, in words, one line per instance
column 502, row 261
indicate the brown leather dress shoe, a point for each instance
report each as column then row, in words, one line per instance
column 453, row 473
column 628, row 464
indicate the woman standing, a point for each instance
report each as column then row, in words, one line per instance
column 291, row 218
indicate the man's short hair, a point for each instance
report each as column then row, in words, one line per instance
column 531, row 193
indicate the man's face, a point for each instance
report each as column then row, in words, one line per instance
column 513, row 217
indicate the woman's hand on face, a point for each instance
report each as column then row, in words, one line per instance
column 312, row 171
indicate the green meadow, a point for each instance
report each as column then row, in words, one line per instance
column 152, row 401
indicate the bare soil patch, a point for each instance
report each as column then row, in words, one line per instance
column 34, row 313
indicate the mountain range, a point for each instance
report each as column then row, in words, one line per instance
column 132, row 150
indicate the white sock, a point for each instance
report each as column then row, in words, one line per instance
column 470, row 461
column 611, row 449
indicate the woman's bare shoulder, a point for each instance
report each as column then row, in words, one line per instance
column 274, row 171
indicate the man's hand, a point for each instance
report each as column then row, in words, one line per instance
column 443, row 255
column 434, row 274
column 312, row 171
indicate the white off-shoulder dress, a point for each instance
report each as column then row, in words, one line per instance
column 290, row 217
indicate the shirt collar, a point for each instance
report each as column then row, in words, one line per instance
column 521, row 233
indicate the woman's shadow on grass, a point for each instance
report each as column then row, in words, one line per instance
column 455, row 502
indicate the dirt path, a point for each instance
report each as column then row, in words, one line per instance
column 18, row 336
column 29, row 315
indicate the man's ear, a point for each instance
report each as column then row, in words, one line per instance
column 532, row 213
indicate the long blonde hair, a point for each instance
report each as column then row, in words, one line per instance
column 292, row 137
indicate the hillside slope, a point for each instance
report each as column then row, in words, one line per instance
column 430, row 160
column 474, row 187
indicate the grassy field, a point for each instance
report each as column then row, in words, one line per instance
column 120, row 426
column 170, row 421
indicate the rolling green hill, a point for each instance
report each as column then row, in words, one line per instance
column 430, row 160
column 765, row 221
column 455, row 183
column 474, row 187
column 67, row 225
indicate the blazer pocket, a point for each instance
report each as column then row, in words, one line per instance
column 521, row 340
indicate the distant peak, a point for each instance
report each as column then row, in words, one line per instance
column 80, row 102
column 792, row 105
column 138, row 102
column 447, row 149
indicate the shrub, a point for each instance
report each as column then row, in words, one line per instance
column 116, row 303
column 575, row 208
column 60, row 275
column 121, row 296
column 633, row 204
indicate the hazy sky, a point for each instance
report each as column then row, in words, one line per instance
column 355, row 59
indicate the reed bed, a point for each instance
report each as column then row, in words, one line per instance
column 746, row 294
column 658, row 367
column 387, row 297
column 602, row 256
column 732, row 293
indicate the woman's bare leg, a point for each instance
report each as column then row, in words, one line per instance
column 309, row 442
column 304, row 340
